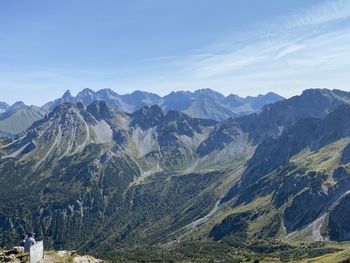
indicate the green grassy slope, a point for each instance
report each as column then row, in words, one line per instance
column 19, row 120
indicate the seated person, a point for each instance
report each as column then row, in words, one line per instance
column 30, row 241
column 22, row 243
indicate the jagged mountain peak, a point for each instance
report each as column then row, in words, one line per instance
column 66, row 114
column 17, row 104
column 172, row 115
column 86, row 92
column 86, row 96
column 182, row 92
column 326, row 94
column 139, row 99
column 67, row 95
column 261, row 100
column 147, row 117
column 154, row 109
column 142, row 93
column 209, row 93
column 183, row 124
column 317, row 91
column 224, row 133
column 101, row 110
column 106, row 90
column 64, row 107
column 107, row 93
column 234, row 100
column 98, row 109
column 142, row 96
column 271, row 94
column 234, row 96
column 4, row 105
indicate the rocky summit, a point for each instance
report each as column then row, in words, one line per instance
column 161, row 183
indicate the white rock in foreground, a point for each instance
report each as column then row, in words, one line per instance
column 86, row 259
column 78, row 259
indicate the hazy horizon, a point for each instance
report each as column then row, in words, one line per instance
column 95, row 90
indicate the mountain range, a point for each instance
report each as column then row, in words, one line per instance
column 100, row 179
column 203, row 103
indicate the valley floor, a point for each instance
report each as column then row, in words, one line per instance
column 342, row 256
column 253, row 253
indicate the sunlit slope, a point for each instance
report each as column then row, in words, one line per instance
column 18, row 120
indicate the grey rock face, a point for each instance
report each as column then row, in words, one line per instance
column 339, row 221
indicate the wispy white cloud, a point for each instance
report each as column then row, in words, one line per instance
column 262, row 48
column 328, row 11
column 289, row 50
column 300, row 50
column 218, row 65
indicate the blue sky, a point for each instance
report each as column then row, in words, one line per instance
column 242, row 47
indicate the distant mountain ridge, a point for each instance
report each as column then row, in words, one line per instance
column 204, row 103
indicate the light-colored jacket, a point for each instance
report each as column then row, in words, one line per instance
column 29, row 242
